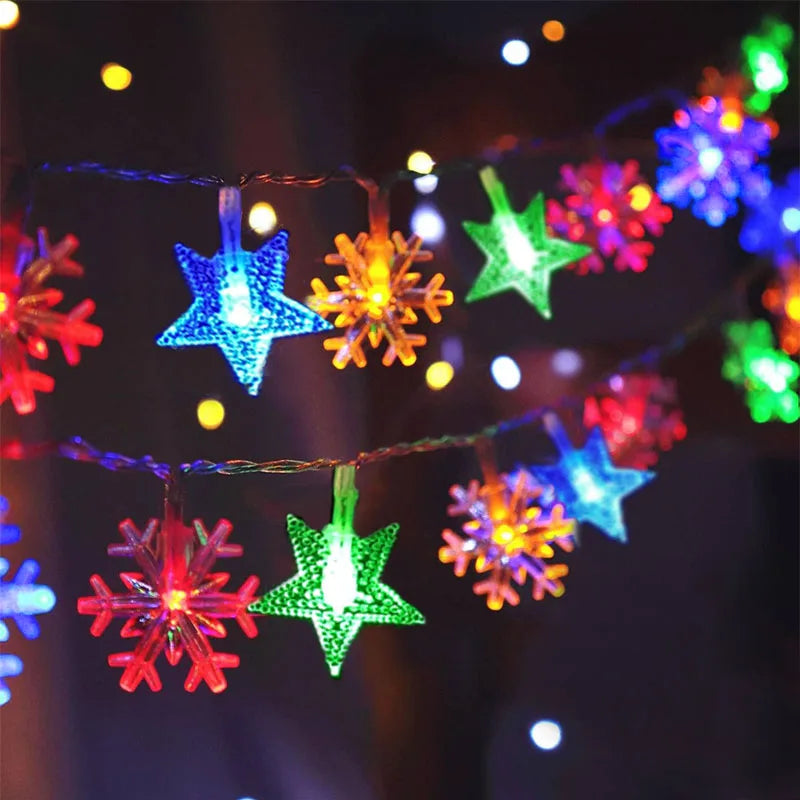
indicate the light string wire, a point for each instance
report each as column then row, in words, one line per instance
column 78, row 449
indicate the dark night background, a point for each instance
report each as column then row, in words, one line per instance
column 671, row 663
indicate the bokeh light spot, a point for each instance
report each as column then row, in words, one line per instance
column 426, row 184
column 210, row 413
column 790, row 219
column 546, row 734
column 553, row 30
column 506, row 373
column 427, row 222
column 566, row 362
column 262, row 218
column 640, row 196
column 515, row 52
column 439, row 374
column 9, row 15
column 115, row 77
column 420, row 161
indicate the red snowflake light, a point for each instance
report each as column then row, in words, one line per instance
column 174, row 604
column 639, row 416
column 27, row 318
column 611, row 210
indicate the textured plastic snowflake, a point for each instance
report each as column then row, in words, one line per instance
column 378, row 297
column 20, row 600
column 610, row 210
column 712, row 156
column 782, row 299
column 175, row 603
column 509, row 536
column 772, row 227
column 639, row 416
column 768, row 376
column 27, row 318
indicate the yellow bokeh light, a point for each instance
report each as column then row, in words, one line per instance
column 9, row 14
column 731, row 122
column 640, row 196
column 115, row 77
column 793, row 308
column 553, row 30
column 262, row 218
column 420, row 161
column 210, row 413
column 439, row 374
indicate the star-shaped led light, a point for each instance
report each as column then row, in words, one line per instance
column 338, row 585
column 519, row 253
column 587, row 482
column 239, row 303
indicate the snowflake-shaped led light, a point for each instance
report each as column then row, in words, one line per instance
column 175, row 603
column 772, row 227
column 639, row 415
column 20, row 600
column 27, row 318
column 782, row 298
column 712, row 156
column 509, row 536
column 765, row 62
column 768, row 376
column 611, row 209
column 378, row 297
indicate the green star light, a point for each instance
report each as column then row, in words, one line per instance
column 519, row 253
column 337, row 583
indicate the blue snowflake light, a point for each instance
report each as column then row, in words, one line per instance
column 20, row 600
column 772, row 227
column 711, row 155
column 587, row 482
column 239, row 303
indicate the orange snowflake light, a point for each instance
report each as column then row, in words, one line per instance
column 782, row 298
column 378, row 296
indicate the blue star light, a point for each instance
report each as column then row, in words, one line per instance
column 20, row 599
column 239, row 303
column 587, row 483
column 711, row 156
column 772, row 227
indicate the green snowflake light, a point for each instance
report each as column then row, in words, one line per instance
column 337, row 583
column 519, row 253
column 768, row 376
column 765, row 63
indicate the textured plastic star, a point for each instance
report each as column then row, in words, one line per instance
column 587, row 482
column 175, row 603
column 239, row 304
column 378, row 297
column 519, row 253
column 27, row 317
column 337, row 585
column 510, row 536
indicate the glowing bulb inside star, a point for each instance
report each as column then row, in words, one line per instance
column 262, row 218
column 506, row 373
column 553, row 30
column 420, row 161
column 115, row 77
column 426, row 184
column 566, row 362
column 339, row 586
column 790, row 219
column 427, row 223
column 210, row 413
column 546, row 734
column 769, row 75
column 515, row 52
column 710, row 159
column 640, row 196
column 439, row 374
column 519, row 248
column 9, row 14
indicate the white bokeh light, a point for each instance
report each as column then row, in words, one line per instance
column 506, row 373
column 427, row 222
column 426, row 184
column 546, row 734
column 566, row 363
column 516, row 52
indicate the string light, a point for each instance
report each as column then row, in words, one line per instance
column 506, row 373
column 262, row 218
column 566, row 363
column 427, row 223
column 546, row 734
column 115, row 76
column 426, row 184
column 439, row 374
column 9, row 15
column 553, row 30
column 210, row 413
column 420, row 161
column 515, row 52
